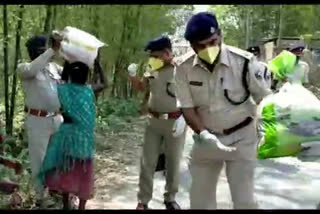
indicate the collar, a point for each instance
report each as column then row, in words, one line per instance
column 223, row 58
column 171, row 64
column 174, row 62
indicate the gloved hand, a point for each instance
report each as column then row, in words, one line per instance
column 207, row 137
column 57, row 121
column 132, row 69
column 179, row 126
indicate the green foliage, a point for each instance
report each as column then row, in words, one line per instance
column 114, row 112
column 264, row 21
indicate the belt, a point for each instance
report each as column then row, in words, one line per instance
column 235, row 128
column 166, row 116
column 38, row 113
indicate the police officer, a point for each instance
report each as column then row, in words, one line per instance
column 218, row 90
column 301, row 72
column 165, row 123
column 255, row 50
column 39, row 79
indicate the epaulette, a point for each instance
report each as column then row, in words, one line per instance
column 240, row 52
column 185, row 57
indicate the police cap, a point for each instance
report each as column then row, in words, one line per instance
column 36, row 42
column 253, row 49
column 201, row 26
column 158, row 44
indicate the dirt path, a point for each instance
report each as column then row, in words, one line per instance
column 284, row 183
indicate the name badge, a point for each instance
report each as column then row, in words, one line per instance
column 196, row 83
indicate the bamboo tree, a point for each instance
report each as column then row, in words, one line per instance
column 6, row 63
column 54, row 18
column 280, row 26
column 247, row 28
column 16, row 59
column 47, row 23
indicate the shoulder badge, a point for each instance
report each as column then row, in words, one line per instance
column 240, row 52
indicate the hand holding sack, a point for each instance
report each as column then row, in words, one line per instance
column 78, row 45
column 179, row 126
column 57, row 121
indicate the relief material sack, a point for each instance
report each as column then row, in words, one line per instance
column 78, row 45
column 288, row 119
column 282, row 65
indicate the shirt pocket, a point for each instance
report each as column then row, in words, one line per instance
column 199, row 92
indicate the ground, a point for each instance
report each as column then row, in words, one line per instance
column 284, row 183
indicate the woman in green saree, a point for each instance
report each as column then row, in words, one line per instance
column 68, row 164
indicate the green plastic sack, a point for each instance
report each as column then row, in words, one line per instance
column 290, row 118
column 282, row 65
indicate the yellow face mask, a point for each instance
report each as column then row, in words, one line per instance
column 209, row 54
column 155, row 63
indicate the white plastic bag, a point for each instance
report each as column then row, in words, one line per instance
column 132, row 69
column 179, row 126
column 78, row 45
column 289, row 119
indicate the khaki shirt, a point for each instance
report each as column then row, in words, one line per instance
column 198, row 88
column 39, row 82
column 162, row 89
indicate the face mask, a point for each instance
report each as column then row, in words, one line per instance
column 209, row 54
column 156, row 63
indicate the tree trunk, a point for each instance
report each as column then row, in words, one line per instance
column 6, row 64
column 47, row 23
column 118, row 67
column 280, row 27
column 14, row 81
column 247, row 28
column 54, row 17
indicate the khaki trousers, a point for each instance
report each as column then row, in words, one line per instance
column 39, row 130
column 240, row 175
column 157, row 132
column 205, row 167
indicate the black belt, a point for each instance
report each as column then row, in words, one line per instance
column 235, row 128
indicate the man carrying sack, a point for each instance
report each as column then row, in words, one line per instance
column 39, row 78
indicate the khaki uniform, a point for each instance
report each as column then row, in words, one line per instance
column 159, row 133
column 39, row 79
column 200, row 89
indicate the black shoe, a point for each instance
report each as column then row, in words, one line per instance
column 142, row 206
column 172, row 205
